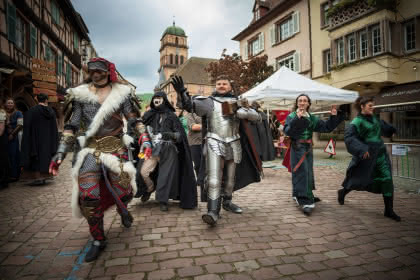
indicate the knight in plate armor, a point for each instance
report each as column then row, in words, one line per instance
column 102, row 173
column 228, row 148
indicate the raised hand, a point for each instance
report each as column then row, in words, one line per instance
column 334, row 110
column 178, row 84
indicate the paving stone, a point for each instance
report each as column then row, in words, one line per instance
column 266, row 273
column 161, row 274
column 208, row 277
column 336, row 254
column 207, row 260
column 219, row 268
column 246, row 266
column 118, row 261
column 131, row 276
column 190, row 271
column 176, row 263
column 289, row 269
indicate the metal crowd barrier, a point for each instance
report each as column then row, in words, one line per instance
column 405, row 160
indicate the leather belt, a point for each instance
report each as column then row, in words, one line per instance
column 306, row 141
column 106, row 144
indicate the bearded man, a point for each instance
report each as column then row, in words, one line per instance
column 102, row 174
column 227, row 149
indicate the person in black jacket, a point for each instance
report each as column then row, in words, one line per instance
column 40, row 139
column 169, row 170
column 370, row 167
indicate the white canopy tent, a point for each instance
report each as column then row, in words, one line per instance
column 279, row 92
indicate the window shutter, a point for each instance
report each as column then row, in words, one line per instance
column 261, row 38
column 245, row 56
column 296, row 58
column 11, row 22
column 59, row 64
column 273, row 34
column 296, row 19
column 68, row 74
column 76, row 41
column 33, row 40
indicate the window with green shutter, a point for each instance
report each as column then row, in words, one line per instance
column 76, row 41
column 55, row 12
column 68, row 74
column 47, row 52
column 11, row 22
column 59, row 64
column 34, row 40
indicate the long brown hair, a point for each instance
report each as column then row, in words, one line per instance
column 296, row 102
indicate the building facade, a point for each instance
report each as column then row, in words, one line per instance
column 35, row 33
column 372, row 47
column 280, row 30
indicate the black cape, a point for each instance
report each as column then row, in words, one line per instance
column 186, row 189
column 40, row 138
column 263, row 138
column 360, row 173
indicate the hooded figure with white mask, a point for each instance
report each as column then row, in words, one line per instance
column 168, row 170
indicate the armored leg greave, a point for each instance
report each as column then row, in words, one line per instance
column 94, row 214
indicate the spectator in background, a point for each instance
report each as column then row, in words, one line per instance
column 195, row 140
column 40, row 139
column 14, row 125
column 183, row 120
column 4, row 157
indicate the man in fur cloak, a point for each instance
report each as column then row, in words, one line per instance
column 169, row 170
column 227, row 148
column 102, row 175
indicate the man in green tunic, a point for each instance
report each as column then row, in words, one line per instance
column 370, row 168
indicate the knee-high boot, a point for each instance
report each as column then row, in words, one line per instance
column 342, row 194
column 389, row 208
column 213, row 206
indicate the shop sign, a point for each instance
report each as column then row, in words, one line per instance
column 45, row 79
column 399, row 150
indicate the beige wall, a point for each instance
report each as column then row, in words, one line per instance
column 393, row 69
column 299, row 42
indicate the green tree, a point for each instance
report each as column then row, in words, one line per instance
column 244, row 74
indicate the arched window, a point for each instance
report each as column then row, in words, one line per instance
column 176, row 59
column 171, row 59
column 176, row 41
column 182, row 59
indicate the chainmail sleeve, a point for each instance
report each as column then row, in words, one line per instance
column 75, row 119
column 128, row 109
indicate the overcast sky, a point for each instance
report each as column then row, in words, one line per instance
column 128, row 32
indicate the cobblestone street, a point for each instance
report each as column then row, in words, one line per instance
column 272, row 239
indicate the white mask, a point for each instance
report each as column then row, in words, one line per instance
column 157, row 101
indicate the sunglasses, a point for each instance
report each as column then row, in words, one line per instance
column 97, row 66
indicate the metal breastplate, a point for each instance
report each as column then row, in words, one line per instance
column 222, row 128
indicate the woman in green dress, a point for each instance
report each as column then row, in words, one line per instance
column 299, row 126
column 370, row 167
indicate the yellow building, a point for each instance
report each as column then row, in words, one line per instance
column 174, row 61
column 280, row 30
column 372, row 47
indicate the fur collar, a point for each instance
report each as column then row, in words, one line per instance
column 112, row 103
